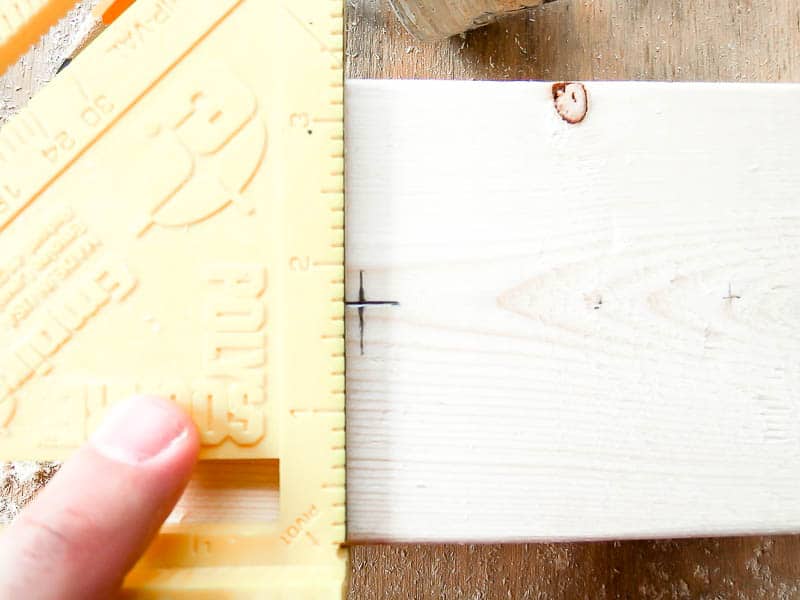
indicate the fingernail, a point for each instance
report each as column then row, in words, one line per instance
column 139, row 429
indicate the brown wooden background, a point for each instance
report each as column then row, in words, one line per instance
column 690, row 40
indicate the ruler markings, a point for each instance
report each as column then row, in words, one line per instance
column 212, row 542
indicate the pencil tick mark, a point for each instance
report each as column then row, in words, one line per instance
column 731, row 296
column 362, row 303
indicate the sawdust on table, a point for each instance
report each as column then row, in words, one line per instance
column 19, row 482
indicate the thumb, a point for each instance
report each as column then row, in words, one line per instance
column 89, row 525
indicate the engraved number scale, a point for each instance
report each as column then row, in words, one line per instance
column 171, row 221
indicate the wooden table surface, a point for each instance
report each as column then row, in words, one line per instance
column 689, row 40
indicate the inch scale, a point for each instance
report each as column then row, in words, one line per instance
column 180, row 187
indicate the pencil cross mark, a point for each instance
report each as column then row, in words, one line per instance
column 362, row 303
column 731, row 296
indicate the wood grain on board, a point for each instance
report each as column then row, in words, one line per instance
column 714, row 40
column 597, row 327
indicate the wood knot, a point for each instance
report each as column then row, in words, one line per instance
column 571, row 101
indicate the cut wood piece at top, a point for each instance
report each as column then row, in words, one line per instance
column 598, row 330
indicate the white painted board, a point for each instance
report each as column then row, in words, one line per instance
column 599, row 324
